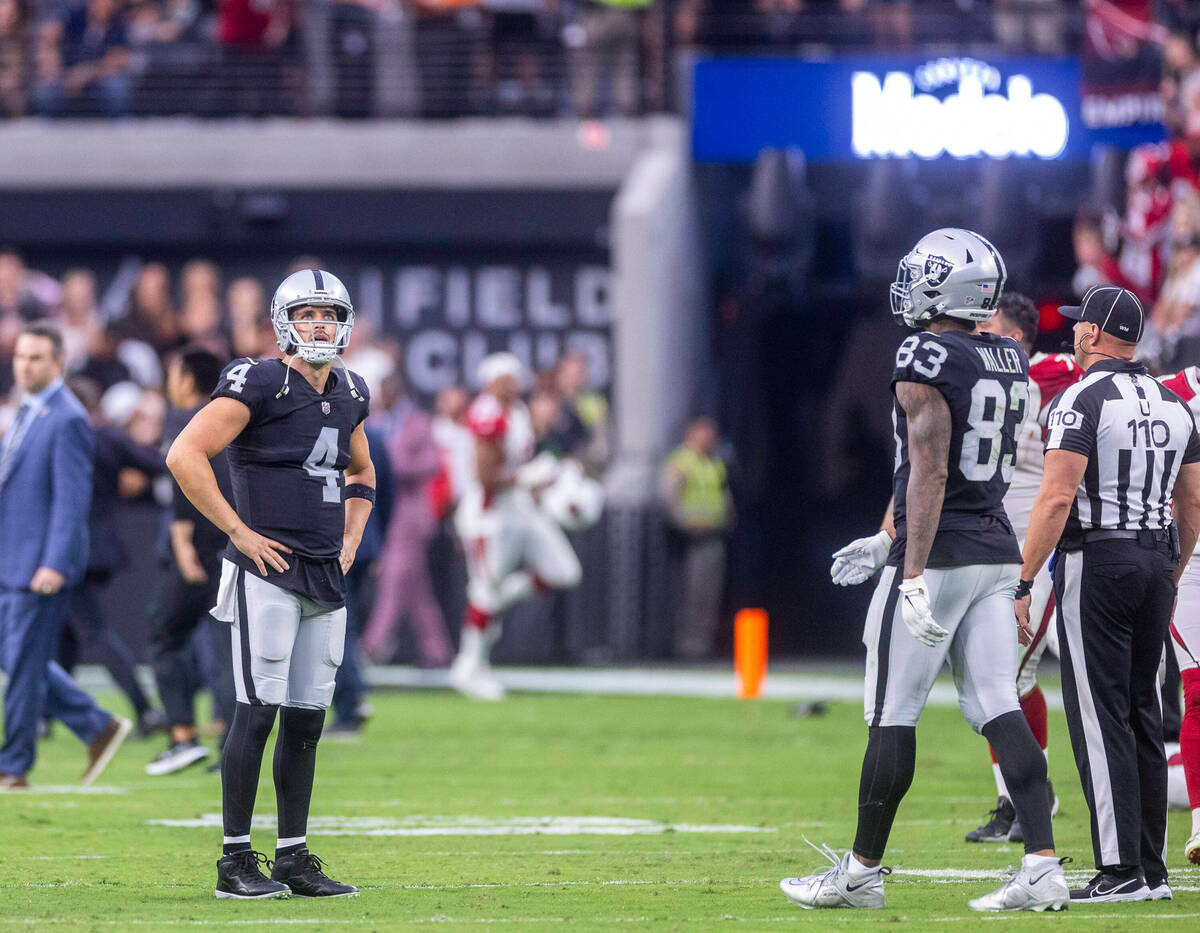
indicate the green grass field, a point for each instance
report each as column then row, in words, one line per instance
column 433, row 811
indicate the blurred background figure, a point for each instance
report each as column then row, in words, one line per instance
column 607, row 57
column 404, row 589
column 122, row 469
column 695, row 491
column 350, row 706
column 83, row 62
column 180, row 605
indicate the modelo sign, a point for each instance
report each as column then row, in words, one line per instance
column 853, row 108
column 954, row 106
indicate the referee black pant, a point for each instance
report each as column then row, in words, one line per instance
column 1114, row 606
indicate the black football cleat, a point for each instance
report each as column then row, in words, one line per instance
column 301, row 872
column 239, row 877
column 1107, row 887
column 998, row 827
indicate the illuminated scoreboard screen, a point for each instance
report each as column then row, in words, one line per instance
column 848, row 109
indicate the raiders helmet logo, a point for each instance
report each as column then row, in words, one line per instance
column 324, row 408
column 936, row 270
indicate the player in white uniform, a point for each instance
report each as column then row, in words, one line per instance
column 512, row 548
column 1049, row 374
column 1185, row 634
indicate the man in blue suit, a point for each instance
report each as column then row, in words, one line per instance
column 45, row 491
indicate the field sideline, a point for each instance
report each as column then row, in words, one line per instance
column 545, row 812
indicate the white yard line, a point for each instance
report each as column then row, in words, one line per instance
column 420, row 825
column 837, row 682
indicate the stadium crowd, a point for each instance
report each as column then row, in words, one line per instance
column 549, row 58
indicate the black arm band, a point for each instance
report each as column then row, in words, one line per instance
column 360, row 491
column 1023, row 589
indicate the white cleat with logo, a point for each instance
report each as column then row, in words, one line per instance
column 845, row 884
column 1039, row 884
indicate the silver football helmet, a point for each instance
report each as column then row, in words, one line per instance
column 311, row 287
column 950, row 271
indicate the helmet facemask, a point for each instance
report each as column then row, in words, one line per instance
column 317, row 352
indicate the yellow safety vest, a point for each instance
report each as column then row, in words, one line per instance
column 703, row 497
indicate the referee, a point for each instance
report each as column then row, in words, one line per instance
column 1120, row 447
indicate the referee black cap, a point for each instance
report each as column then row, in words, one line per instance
column 1117, row 311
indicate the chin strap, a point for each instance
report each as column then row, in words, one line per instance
column 285, row 389
column 354, row 393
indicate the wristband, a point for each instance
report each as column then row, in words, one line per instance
column 360, row 491
column 1023, row 589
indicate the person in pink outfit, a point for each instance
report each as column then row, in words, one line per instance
column 404, row 588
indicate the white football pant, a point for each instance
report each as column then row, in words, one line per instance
column 509, row 547
column 286, row 648
column 975, row 605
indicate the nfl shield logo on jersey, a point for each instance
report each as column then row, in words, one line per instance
column 324, row 408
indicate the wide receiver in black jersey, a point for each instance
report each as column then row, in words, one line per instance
column 950, row 564
column 303, row 486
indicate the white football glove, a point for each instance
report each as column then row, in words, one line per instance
column 916, row 612
column 859, row 559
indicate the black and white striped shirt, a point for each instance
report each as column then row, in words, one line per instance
column 1136, row 433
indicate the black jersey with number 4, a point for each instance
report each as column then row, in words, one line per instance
column 287, row 468
column 984, row 379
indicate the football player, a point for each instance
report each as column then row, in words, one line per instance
column 303, row 487
column 513, row 549
column 1049, row 373
column 1185, row 633
column 951, row 569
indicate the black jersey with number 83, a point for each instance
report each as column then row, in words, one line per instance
column 984, row 379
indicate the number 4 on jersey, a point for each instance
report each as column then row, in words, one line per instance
column 321, row 463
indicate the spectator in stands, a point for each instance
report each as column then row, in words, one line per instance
column 1181, row 70
column 1024, row 26
column 523, row 34
column 891, row 21
column 1094, row 261
column 606, row 63
column 14, row 53
column 83, row 62
column 253, row 36
column 78, row 317
column 249, row 325
column 695, row 491
column 201, row 323
column 152, row 317
column 1172, row 337
column 25, row 295
column 545, row 416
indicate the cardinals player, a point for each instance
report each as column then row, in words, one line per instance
column 1049, row 374
column 1185, row 633
column 512, row 548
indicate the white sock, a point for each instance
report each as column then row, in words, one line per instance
column 1001, row 787
column 1196, row 821
column 1038, row 861
column 235, row 840
column 292, row 841
column 857, row 869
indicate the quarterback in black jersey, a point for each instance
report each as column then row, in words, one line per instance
column 948, row 560
column 303, row 487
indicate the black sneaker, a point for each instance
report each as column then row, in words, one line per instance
column 998, row 827
column 177, row 757
column 1015, row 834
column 238, row 876
column 1107, row 887
column 301, row 872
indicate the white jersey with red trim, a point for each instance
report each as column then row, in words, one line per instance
column 488, row 419
column 1186, row 384
column 1049, row 374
